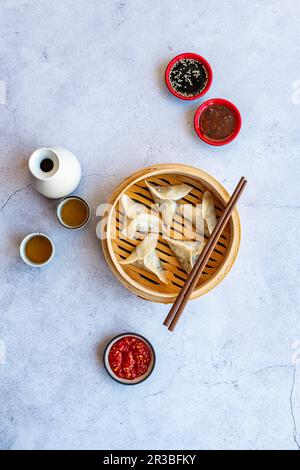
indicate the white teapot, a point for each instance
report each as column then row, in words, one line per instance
column 55, row 171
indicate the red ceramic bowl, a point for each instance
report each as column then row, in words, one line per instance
column 228, row 104
column 189, row 55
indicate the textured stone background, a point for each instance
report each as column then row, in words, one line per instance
column 88, row 75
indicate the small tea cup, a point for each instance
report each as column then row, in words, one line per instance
column 24, row 252
column 65, row 217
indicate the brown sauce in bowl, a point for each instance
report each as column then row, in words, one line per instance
column 217, row 122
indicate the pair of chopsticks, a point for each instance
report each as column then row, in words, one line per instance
column 186, row 291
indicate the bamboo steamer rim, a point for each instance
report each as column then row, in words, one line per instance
column 211, row 184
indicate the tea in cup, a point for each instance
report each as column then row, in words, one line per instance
column 73, row 212
column 37, row 249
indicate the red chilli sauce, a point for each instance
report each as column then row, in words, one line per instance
column 217, row 122
column 129, row 358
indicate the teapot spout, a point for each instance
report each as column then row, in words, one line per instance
column 43, row 164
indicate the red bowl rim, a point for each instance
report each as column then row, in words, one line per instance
column 189, row 55
column 229, row 105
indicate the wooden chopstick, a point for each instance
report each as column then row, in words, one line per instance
column 186, row 291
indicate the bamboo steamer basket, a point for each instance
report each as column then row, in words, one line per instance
column 144, row 283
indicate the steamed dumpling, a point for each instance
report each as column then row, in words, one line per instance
column 139, row 216
column 186, row 252
column 167, row 209
column 145, row 256
column 152, row 263
column 175, row 192
column 142, row 250
column 208, row 211
column 143, row 223
column 193, row 214
column 201, row 213
column 132, row 208
column 165, row 198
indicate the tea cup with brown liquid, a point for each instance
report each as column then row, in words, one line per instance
column 73, row 212
column 37, row 249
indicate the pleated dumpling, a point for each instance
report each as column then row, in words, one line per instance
column 203, row 216
column 137, row 218
column 208, row 211
column 143, row 223
column 152, row 263
column 145, row 256
column 165, row 198
column 176, row 192
column 132, row 208
column 186, row 252
column 193, row 214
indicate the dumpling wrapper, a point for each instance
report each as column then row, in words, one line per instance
column 165, row 197
column 167, row 209
column 176, row 192
column 208, row 211
column 201, row 213
column 143, row 223
column 145, row 256
column 186, row 252
column 131, row 208
column 193, row 214
column 142, row 250
column 153, row 264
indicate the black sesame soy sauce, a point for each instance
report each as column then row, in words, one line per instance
column 188, row 77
